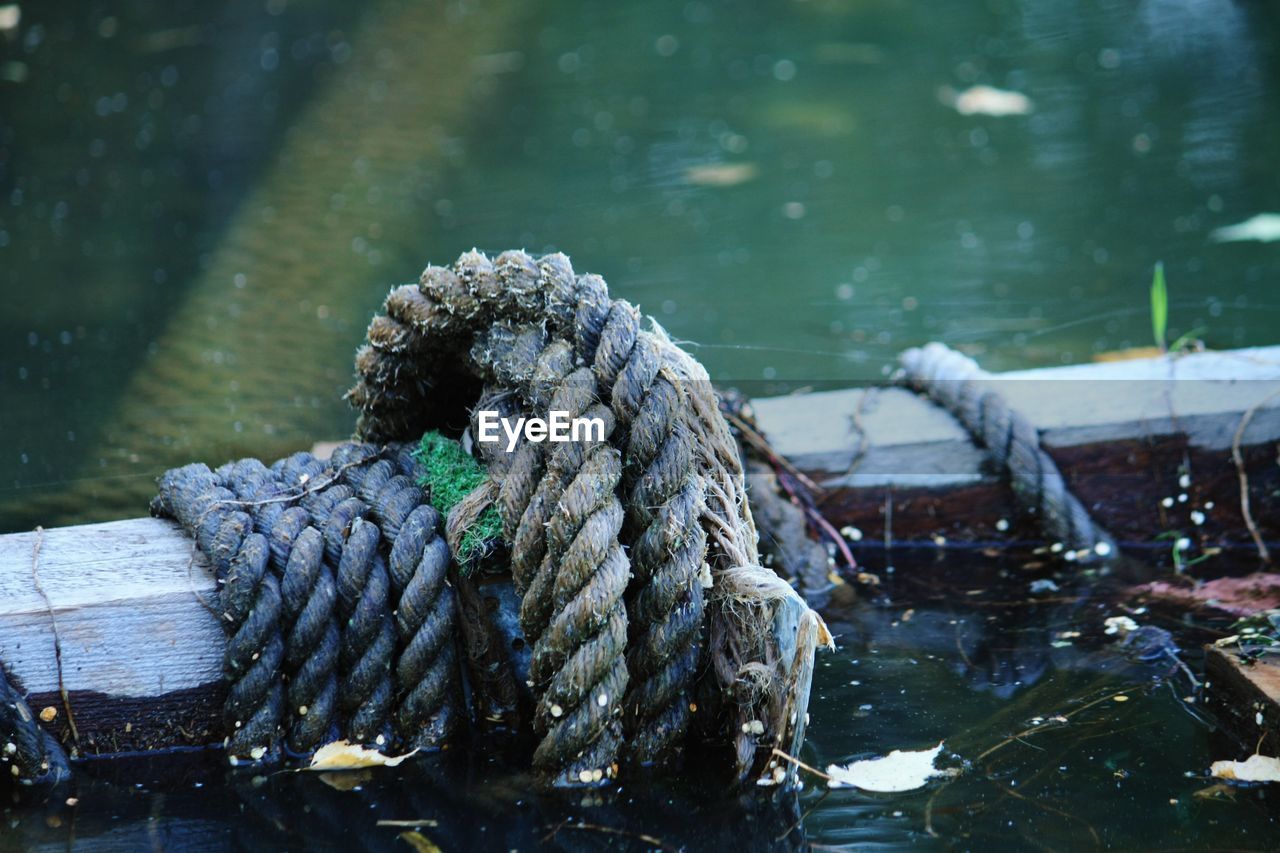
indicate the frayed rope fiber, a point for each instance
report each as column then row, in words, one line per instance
column 636, row 557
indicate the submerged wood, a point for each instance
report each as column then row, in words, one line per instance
column 1246, row 697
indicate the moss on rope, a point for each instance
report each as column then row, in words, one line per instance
column 450, row 474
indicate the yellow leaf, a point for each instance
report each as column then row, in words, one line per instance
column 419, row 842
column 344, row 755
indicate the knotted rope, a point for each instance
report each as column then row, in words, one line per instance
column 307, row 598
column 957, row 383
column 532, row 328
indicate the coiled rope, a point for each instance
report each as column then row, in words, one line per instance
column 567, row 564
column 555, row 340
column 304, row 554
column 248, row 606
column 957, row 383
column 28, row 754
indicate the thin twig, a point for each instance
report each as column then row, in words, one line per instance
column 753, row 437
column 1238, row 457
column 1060, row 720
column 652, row 841
column 798, row 763
column 803, row 817
column 57, row 640
column 1011, row 792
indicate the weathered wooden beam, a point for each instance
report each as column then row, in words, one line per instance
column 1245, row 697
column 1123, row 434
column 141, row 654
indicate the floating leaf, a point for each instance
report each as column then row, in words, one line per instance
column 1255, row 768
column 419, row 842
column 898, row 771
column 344, row 755
column 1264, row 228
column 987, row 101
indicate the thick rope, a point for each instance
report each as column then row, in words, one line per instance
column 310, row 572
column 426, row 709
column 308, row 601
column 957, row 383
column 664, row 502
column 569, row 566
column 29, row 755
column 552, row 324
column 249, row 604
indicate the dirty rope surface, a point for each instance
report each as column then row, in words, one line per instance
column 616, row 660
column 332, row 594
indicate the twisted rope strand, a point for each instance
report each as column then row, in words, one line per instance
column 249, row 599
column 958, row 384
column 426, row 709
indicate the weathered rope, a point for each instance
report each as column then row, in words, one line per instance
column 569, row 566
column 29, row 755
column 957, row 383
column 426, row 709
column 664, row 503
column 305, row 567
column 528, row 325
column 308, row 600
column 249, row 604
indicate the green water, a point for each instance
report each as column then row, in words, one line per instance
column 861, row 216
column 781, row 185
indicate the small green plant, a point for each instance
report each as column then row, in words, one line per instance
column 1159, row 306
column 1160, row 318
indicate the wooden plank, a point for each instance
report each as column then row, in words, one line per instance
column 1246, row 698
column 1122, row 433
column 869, row 437
column 141, row 656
